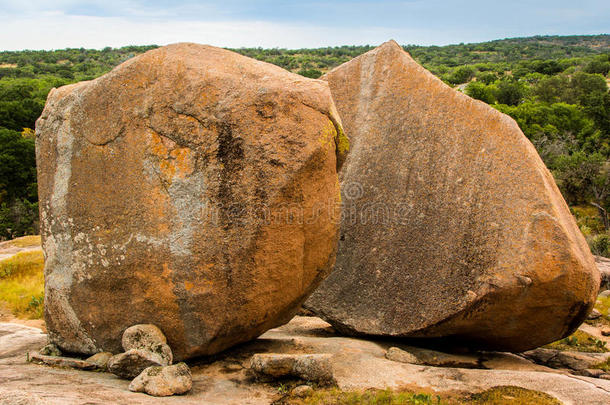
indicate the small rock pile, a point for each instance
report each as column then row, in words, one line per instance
column 147, row 360
column 145, row 346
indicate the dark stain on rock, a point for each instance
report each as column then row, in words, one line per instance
column 578, row 313
column 232, row 209
column 230, row 154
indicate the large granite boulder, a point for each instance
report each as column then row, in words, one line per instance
column 190, row 188
column 452, row 225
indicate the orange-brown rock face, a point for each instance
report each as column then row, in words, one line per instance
column 190, row 188
column 452, row 225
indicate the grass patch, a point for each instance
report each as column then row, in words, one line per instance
column 22, row 284
column 603, row 306
column 502, row 395
column 26, row 241
column 579, row 341
column 506, row 395
column 605, row 365
column 335, row 396
column 588, row 220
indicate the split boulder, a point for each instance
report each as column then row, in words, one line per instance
column 452, row 225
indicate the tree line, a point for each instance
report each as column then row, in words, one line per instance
column 555, row 87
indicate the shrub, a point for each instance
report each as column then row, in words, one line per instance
column 600, row 245
column 311, row 73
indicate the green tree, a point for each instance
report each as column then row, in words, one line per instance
column 482, row 92
column 600, row 65
column 584, row 178
column 510, row 91
column 551, row 89
column 461, row 74
column 487, row 77
column 17, row 166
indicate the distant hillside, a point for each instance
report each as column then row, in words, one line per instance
column 513, row 49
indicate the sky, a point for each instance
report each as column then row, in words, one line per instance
column 58, row 24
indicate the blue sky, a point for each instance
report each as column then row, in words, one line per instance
column 53, row 24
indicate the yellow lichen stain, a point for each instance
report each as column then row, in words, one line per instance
column 173, row 163
column 183, row 161
column 328, row 134
column 188, row 285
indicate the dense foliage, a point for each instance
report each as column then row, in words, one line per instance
column 556, row 88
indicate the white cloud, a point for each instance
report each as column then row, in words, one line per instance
column 54, row 24
column 52, row 30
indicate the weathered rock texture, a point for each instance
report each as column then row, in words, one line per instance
column 452, row 224
column 166, row 193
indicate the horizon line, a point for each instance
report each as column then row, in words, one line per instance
column 319, row 47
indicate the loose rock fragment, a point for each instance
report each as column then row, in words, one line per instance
column 417, row 355
column 50, row 350
column 100, row 360
column 576, row 361
column 301, row 391
column 131, row 363
column 595, row 314
column 142, row 337
column 163, row 381
column 56, row 361
column 309, row 367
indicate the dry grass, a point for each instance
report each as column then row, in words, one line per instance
column 501, row 395
column 603, row 306
column 507, row 395
column 22, row 284
column 370, row 397
column 26, row 241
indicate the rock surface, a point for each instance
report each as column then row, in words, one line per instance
column 309, row 367
column 452, row 225
column 357, row 365
column 191, row 188
column 131, row 363
column 18, row 339
column 163, row 381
